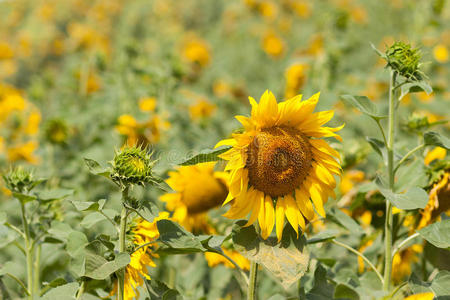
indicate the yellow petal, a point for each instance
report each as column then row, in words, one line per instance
column 280, row 211
column 291, row 212
column 270, row 215
column 304, row 204
column 436, row 153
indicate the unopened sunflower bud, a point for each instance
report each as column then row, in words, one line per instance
column 56, row 131
column 19, row 180
column 132, row 166
column 404, row 60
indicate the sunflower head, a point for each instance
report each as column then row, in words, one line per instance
column 404, row 59
column 56, row 131
column 132, row 165
column 198, row 189
column 279, row 167
column 20, row 180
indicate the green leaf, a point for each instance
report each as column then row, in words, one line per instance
column 65, row 292
column 76, row 242
column 437, row 233
column 96, row 169
column 323, row 236
column 87, row 205
column 92, row 219
column 432, row 138
column 54, row 194
column 438, row 286
column 106, row 269
column 321, row 289
column 411, row 175
column 177, row 238
column 205, row 156
column 364, row 105
column 160, row 291
column 24, row 198
column 53, row 284
column 414, row 198
column 381, row 54
column 149, row 211
column 378, row 146
column 345, row 291
column 339, row 217
column 414, row 87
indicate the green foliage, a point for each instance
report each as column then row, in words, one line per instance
column 437, row 233
column 206, row 155
column 413, row 198
column 364, row 105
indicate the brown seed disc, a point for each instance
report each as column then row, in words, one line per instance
column 279, row 158
column 203, row 193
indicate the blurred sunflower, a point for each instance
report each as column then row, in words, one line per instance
column 215, row 259
column 403, row 261
column 295, row 79
column 141, row 233
column 279, row 163
column 272, row 44
column 198, row 189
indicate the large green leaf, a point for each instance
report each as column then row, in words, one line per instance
column 177, row 238
column 435, row 139
column 65, row 292
column 323, row 236
column 321, row 290
column 437, row 233
column 87, row 205
column 364, row 105
column 205, row 156
column 107, row 268
column 159, row 291
column 91, row 219
column 414, row 198
column 439, row 286
column 339, row 217
column 53, row 194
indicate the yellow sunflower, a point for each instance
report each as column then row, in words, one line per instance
column 279, row 163
column 198, row 189
column 143, row 233
column 215, row 259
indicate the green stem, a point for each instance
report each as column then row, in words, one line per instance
column 403, row 243
column 251, row 294
column 390, row 169
column 407, row 155
column 362, row 256
column 37, row 267
column 28, row 253
column 122, row 248
column 81, row 290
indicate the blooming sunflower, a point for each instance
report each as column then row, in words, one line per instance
column 143, row 233
column 198, row 188
column 278, row 163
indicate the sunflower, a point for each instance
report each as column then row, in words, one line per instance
column 215, row 259
column 198, row 189
column 402, row 262
column 143, row 233
column 278, row 163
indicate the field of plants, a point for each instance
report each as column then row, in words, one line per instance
column 224, row 149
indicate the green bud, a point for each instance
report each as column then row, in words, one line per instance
column 404, row 59
column 132, row 166
column 19, row 180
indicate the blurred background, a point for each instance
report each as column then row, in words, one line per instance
column 81, row 78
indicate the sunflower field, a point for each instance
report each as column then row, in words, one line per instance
column 224, row 149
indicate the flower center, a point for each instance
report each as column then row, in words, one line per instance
column 278, row 161
column 203, row 193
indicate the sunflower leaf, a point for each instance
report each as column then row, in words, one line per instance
column 159, row 290
column 438, row 286
column 342, row 219
column 66, row 291
column 177, row 238
column 437, row 233
column 205, row 156
column 432, row 138
column 323, row 236
column 378, row 146
column 414, row 87
column 414, row 198
column 364, row 105
column 96, row 169
column 105, row 269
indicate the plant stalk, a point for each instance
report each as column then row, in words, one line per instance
column 37, row 266
column 251, row 294
column 81, row 290
column 388, row 226
column 122, row 246
column 28, row 254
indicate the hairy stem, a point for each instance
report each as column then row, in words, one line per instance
column 251, row 294
column 81, row 290
column 122, row 248
column 28, row 253
column 388, row 226
column 407, row 155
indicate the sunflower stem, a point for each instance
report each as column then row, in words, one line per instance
column 28, row 253
column 122, row 248
column 251, row 294
column 81, row 290
column 388, row 225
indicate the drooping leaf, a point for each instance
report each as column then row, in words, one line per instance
column 54, row 194
column 437, row 233
column 107, row 268
column 160, row 291
column 414, row 198
column 205, row 156
column 87, row 205
column 364, row 105
column 321, row 289
column 23, row 197
column 339, row 217
column 378, row 146
column 414, row 87
column 177, row 238
column 66, row 291
column 149, row 211
column 96, row 169
column 323, row 236
column 432, row 138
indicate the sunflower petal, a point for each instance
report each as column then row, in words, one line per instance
column 280, row 211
